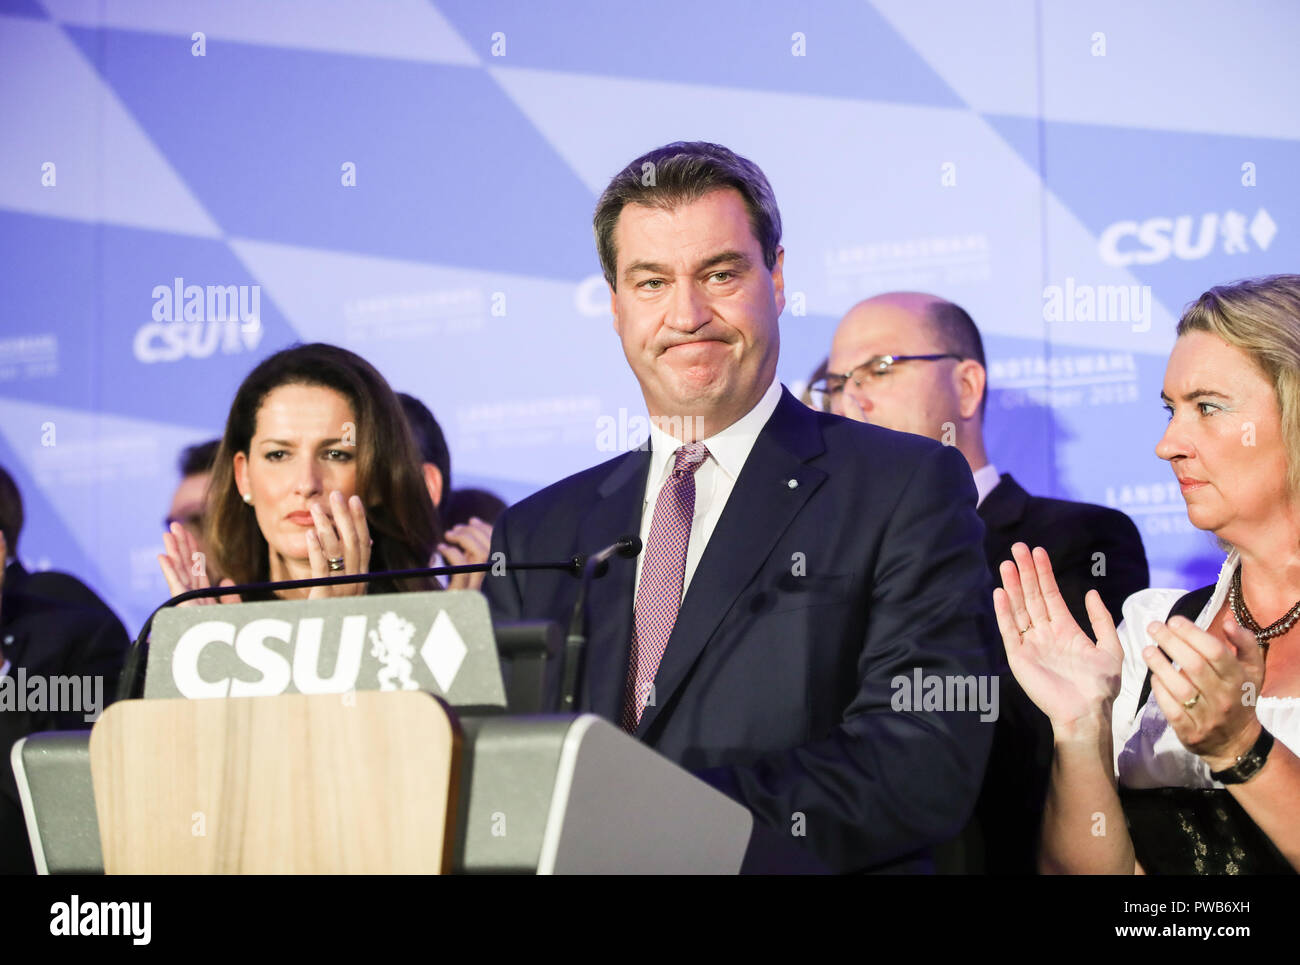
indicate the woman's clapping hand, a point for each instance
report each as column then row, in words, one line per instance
column 1209, row 697
column 185, row 567
column 1071, row 679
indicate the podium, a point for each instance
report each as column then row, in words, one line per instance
column 422, row 779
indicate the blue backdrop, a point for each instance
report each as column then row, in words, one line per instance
column 414, row 180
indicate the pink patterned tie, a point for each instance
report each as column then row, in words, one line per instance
column 659, row 593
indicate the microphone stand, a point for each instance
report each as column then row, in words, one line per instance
column 575, row 644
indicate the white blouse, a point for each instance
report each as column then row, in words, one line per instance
column 1147, row 751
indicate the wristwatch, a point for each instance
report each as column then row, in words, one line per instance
column 1249, row 763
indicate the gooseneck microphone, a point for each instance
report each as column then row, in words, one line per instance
column 129, row 682
column 575, row 644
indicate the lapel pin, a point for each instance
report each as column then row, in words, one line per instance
column 793, row 484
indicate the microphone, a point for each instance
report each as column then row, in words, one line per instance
column 130, row 679
column 575, row 645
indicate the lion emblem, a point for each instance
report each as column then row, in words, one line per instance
column 391, row 643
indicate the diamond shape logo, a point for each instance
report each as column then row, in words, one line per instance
column 1262, row 229
column 443, row 651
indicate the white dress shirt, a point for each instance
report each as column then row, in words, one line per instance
column 1147, row 751
column 714, row 479
column 986, row 480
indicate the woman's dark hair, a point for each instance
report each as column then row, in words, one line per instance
column 402, row 520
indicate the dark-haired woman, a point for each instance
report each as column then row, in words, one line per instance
column 316, row 476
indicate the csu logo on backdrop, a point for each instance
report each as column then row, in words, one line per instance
column 193, row 321
column 1187, row 237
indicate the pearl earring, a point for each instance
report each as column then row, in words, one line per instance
column 248, row 498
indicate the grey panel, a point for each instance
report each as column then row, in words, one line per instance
column 511, row 764
column 53, row 772
column 621, row 808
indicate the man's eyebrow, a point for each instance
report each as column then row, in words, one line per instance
column 652, row 267
column 738, row 258
column 1195, row 394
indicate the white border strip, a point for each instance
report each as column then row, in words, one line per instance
column 573, row 739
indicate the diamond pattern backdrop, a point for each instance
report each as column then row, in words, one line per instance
column 985, row 152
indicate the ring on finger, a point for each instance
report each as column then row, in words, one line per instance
column 1191, row 701
column 335, row 563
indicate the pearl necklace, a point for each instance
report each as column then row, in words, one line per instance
column 1262, row 634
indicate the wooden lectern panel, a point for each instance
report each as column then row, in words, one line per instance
column 356, row 783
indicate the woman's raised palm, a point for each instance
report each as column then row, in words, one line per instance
column 1064, row 673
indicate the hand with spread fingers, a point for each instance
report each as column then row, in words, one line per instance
column 467, row 543
column 1206, row 688
column 185, row 568
column 338, row 544
column 1064, row 673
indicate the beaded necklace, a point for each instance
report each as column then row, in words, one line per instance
column 1242, row 613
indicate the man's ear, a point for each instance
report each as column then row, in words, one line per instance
column 613, row 308
column 970, row 376
column 433, row 482
column 778, row 279
column 240, row 465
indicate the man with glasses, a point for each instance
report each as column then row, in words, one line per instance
column 915, row 363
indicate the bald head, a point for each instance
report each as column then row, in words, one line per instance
column 939, row 398
column 946, row 325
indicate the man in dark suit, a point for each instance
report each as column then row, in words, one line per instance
column 800, row 572
column 915, row 362
column 46, row 640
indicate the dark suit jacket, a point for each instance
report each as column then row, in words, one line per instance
column 1004, row 834
column 47, row 637
column 810, row 599
column 1073, row 534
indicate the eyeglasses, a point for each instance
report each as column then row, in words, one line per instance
column 827, row 389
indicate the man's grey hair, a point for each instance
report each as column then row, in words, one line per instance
column 681, row 173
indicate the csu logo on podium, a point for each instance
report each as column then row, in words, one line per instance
column 409, row 641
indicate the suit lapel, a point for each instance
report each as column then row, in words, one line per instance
column 617, row 513
column 761, row 506
column 1005, row 505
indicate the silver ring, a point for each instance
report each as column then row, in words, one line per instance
column 1026, row 629
column 335, row 562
